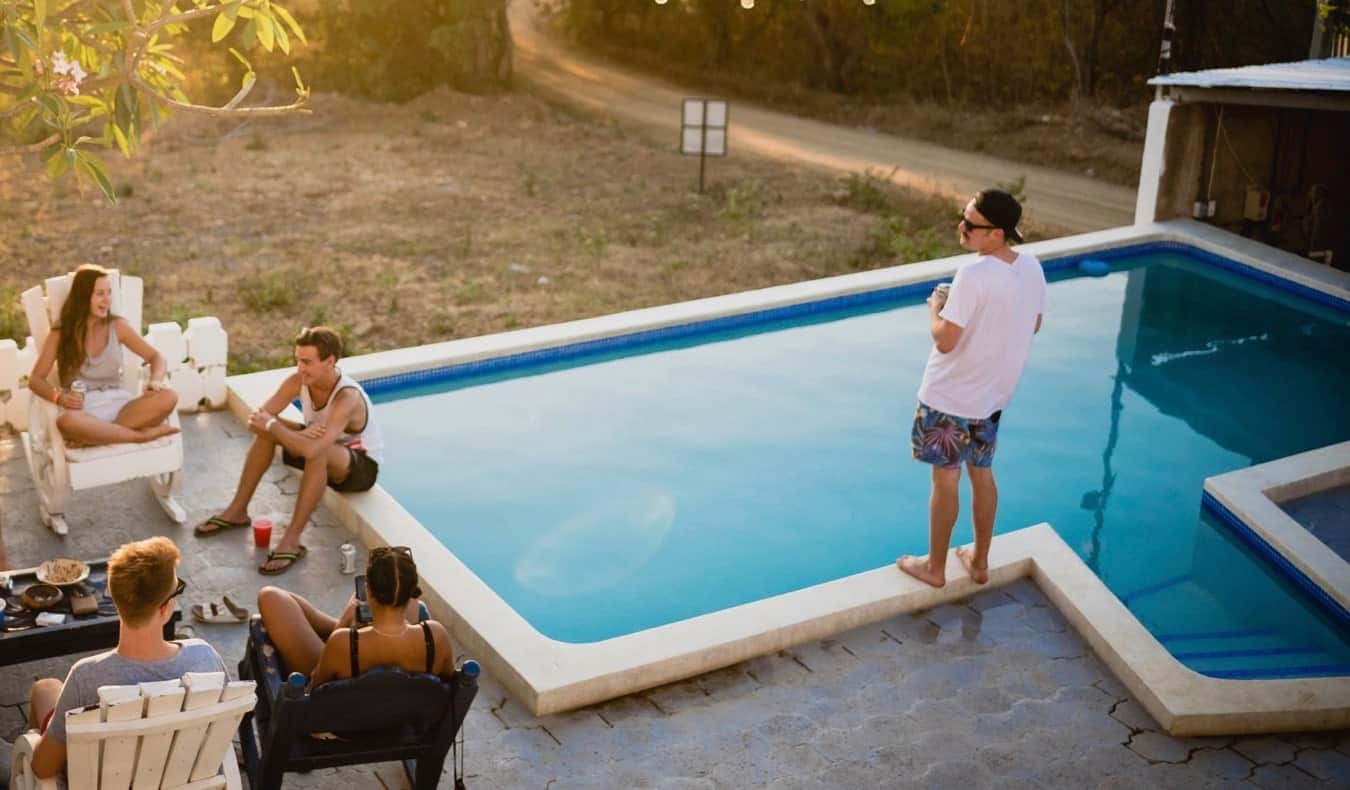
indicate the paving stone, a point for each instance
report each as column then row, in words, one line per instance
column 884, row 705
column 1158, row 748
column 1284, row 777
column 1221, row 763
column 989, row 599
column 956, row 773
column 1133, row 715
column 1264, row 750
column 1046, row 619
column 13, row 720
column 777, row 668
column 1025, row 591
column 1325, row 764
column 913, row 629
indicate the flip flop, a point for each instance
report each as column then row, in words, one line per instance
column 218, row 614
column 219, row 525
column 290, row 557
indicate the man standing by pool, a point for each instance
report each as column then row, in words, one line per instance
column 339, row 444
column 982, row 332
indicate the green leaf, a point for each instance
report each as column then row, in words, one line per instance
column 91, row 165
column 60, row 161
column 290, row 22
column 250, row 34
column 241, row 58
column 122, row 142
column 283, row 40
column 299, row 83
column 266, row 36
column 223, row 25
column 39, row 13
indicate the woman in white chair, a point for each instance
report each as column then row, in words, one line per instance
column 87, row 347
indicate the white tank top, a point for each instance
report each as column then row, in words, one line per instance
column 368, row 438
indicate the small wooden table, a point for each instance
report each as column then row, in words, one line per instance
column 77, row 635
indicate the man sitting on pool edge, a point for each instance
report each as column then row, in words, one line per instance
column 339, row 444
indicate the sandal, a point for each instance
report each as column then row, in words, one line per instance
column 218, row 525
column 290, row 558
column 231, row 612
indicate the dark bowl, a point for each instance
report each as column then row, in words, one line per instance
column 39, row 597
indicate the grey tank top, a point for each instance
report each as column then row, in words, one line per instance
column 104, row 372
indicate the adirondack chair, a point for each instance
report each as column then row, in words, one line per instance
column 381, row 715
column 59, row 469
column 170, row 734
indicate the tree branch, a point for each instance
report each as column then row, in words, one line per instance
column 230, row 108
column 31, row 147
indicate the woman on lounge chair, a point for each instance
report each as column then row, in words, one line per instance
column 324, row 649
column 87, row 347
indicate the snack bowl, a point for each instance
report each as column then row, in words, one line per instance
column 39, row 597
column 62, row 572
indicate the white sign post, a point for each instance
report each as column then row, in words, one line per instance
column 703, row 131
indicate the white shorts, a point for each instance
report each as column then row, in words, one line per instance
column 105, row 404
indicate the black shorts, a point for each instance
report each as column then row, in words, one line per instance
column 360, row 475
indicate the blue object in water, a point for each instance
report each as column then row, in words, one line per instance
column 1094, row 266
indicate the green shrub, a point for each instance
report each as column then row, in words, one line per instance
column 895, row 237
column 13, row 323
column 868, row 191
column 395, row 51
column 269, row 290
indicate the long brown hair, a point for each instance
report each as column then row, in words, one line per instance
column 75, row 321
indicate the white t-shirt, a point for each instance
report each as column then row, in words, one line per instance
column 996, row 305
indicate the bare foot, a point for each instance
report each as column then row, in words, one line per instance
column 157, row 432
column 918, row 568
column 967, row 557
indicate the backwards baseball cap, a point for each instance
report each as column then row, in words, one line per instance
column 1002, row 210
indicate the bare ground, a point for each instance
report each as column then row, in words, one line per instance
column 449, row 216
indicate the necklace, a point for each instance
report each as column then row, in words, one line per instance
column 386, row 633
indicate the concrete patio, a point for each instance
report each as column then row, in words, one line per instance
column 994, row 692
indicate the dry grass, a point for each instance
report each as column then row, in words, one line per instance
column 449, row 216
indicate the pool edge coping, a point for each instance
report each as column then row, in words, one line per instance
column 1253, row 496
column 548, row 676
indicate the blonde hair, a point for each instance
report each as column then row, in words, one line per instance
column 141, row 577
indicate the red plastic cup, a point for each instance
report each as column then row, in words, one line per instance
column 262, row 532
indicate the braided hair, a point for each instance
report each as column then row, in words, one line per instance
column 391, row 575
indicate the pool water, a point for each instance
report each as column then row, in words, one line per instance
column 657, row 481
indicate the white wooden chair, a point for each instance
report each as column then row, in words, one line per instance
column 169, row 734
column 58, row 469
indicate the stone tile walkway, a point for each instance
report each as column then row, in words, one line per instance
column 996, row 691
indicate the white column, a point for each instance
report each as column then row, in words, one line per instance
column 1155, row 158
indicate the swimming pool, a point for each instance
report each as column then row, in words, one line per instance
column 605, row 490
column 567, row 479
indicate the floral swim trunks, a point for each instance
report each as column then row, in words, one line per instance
column 943, row 440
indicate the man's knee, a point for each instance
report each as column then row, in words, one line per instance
column 981, row 477
column 167, row 399
column 946, row 478
column 44, row 686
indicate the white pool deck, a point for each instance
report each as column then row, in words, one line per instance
column 547, row 676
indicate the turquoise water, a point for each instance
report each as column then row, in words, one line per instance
column 631, row 490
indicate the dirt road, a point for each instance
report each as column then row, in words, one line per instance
column 1070, row 202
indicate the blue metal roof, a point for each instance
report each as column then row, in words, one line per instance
column 1331, row 74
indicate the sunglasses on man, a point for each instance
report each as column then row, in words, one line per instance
column 177, row 591
column 971, row 226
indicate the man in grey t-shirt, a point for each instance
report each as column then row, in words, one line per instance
column 144, row 584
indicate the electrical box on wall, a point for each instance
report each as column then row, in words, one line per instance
column 1257, row 205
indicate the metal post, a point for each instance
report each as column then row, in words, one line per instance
column 1169, row 30
column 702, row 147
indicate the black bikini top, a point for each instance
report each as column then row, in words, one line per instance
column 426, row 634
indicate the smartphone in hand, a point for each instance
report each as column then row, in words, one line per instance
column 362, row 605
